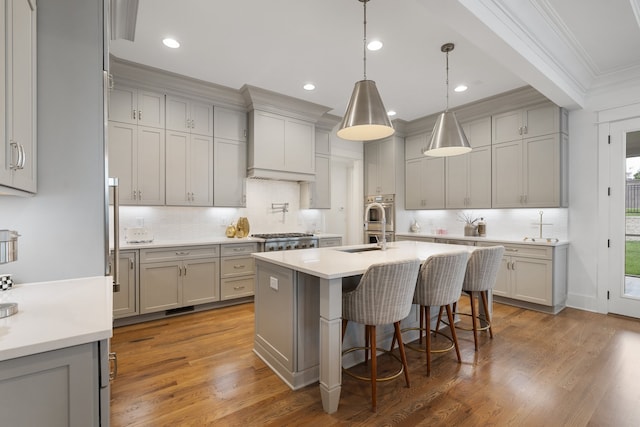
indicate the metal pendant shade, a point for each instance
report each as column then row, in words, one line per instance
column 366, row 118
column 447, row 138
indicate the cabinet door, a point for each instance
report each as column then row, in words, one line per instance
column 414, row 198
column 541, row 120
column 414, row 146
column 456, row 183
column 433, row 182
column 230, row 171
column 160, row 286
column 22, row 91
column 371, row 166
column 122, row 105
column 479, row 178
column 176, row 170
column 123, row 156
column 322, row 184
column 507, row 127
column 200, row 281
column 269, row 146
column 150, row 109
column 177, row 114
column 201, row 116
column 478, row 132
column 323, row 142
column 532, row 280
column 229, row 124
column 200, row 170
column 299, row 146
column 502, row 286
column 507, row 175
column 542, row 171
column 124, row 301
column 150, row 163
column 387, row 167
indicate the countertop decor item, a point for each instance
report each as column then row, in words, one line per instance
column 470, row 227
column 230, row 231
column 242, row 227
column 8, row 246
column 415, row 227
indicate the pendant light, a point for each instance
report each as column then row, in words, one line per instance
column 448, row 138
column 366, row 118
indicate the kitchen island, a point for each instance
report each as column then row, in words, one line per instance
column 54, row 367
column 298, row 306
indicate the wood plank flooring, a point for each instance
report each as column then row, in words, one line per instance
column 573, row 369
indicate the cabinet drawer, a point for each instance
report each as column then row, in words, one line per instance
column 529, row 251
column 332, row 241
column 178, row 253
column 238, row 249
column 237, row 288
column 233, row 266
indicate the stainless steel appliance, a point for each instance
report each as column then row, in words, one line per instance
column 287, row 241
column 373, row 219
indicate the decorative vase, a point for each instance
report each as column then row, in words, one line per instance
column 231, row 231
column 469, row 230
column 242, row 227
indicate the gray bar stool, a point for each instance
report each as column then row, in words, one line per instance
column 479, row 279
column 383, row 296
column 439, row 285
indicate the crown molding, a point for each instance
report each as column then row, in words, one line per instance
column 272, row 102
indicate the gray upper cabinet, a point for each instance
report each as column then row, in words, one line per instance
column 230, row 124
column 381, row 160
column 136, row 106
column 317, row 194
column 189, row 116
column 18, row 168
column 229, row 157
column 538, row 120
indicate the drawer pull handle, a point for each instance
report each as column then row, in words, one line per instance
column 238, row 249
column 512, row 250
column 237, row 288
column 182, row 253
column 113, row 360
column 238, row 266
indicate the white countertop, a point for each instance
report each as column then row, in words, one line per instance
column 537, row 241
column 54, row 315
column 221, row 240
column 332, row 263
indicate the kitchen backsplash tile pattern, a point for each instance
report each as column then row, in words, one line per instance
column 176, row 223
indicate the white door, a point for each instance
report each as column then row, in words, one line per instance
column 624, row 294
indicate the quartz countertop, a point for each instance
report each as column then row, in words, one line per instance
column 189, row 242
column 335, row 262
column 54, row 315
column 529, row 241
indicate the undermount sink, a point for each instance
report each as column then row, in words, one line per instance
column 356, row 250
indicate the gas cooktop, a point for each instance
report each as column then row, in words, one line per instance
column 268, row 236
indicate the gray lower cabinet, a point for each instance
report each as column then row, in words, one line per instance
column 237, row 270
column 174, row 278
column 327, row 242
column 59, row 388
column 125, row 301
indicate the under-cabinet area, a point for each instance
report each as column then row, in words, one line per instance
column 532, row 275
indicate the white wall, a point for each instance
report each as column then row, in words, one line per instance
column 62, row 226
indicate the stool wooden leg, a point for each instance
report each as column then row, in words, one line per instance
column 367, row 340
column 421, row 309
column 474, row 317
column 374, row 367
column 403, row 355
column 453, row 332
column 485, row 304
column 439, row 318
column 428, row 346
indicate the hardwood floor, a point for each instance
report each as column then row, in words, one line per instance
column 573, row 369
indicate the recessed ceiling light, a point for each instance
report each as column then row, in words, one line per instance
column 172, row 43
column 309, row 86
column 460, row 88
column 391, row 113
column 374, row 45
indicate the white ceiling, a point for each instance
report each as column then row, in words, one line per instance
column 564, row 48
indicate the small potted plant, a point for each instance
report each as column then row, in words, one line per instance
column 470, row 227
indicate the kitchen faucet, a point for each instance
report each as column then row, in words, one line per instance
column 383, row 244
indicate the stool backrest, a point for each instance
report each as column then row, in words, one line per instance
column 440, row 279
column 482, row 269
column 384, row 293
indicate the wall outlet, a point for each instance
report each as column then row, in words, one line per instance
column 273, row 283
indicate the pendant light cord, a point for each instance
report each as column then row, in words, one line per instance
column 447, row 109
column 364, row 41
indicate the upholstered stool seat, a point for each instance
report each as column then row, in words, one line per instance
column 439, row 285
column 383, row 296
column 480, row 277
